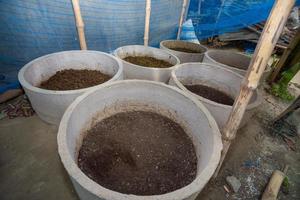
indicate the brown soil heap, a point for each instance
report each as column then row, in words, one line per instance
column 137, row 152
column 71, row 79
column 182, row 49
column 211, row 94
column 146, row 61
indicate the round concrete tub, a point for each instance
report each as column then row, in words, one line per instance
column 50, row 104
column 129, row 95
column 218, row 78
column 132, row 71
column 234, row 61
column 184, row 57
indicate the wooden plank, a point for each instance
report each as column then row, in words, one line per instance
column 284, row 57
column 291, row 108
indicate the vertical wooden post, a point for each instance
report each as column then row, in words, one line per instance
column 293, row 44
column 79, row 24
column 263, row 51
column 181, row 18
column 147, row 22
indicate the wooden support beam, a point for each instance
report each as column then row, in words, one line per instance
column 183, row 10
column 295, row 105
column 263, row 51
column 294, row 43
column 147, row 22
column 79, row 24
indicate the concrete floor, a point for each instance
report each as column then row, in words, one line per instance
column 30, row 167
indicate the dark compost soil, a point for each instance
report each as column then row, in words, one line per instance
column 138, row 152
column 182, row 49
column 211, row 94
column 148, row 61
column 71, row 79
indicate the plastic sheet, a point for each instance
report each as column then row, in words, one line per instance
column 30, row 29
column 214, row 17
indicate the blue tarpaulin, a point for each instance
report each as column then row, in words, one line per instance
column 32, row 28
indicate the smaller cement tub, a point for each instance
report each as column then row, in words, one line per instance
column 132, row 71
column 234, row 61
column 218, row 78
column 130, row 95
column 184, row 57
column 50, row 104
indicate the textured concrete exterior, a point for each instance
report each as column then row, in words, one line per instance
column 219, row 78
column 184, row 57
column 129, row 95
column 49, row 104
column 220, row 57
column 132, row 71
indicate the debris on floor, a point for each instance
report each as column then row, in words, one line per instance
column 19, row 107
column 234, row 183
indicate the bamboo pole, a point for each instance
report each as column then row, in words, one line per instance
column 274, row 184
column 184, row 4
column 79, row 24
column 263, row 51
column 147, row 22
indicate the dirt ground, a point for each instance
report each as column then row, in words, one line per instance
column 254, row 155
column 30, row 167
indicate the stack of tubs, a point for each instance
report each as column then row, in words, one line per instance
column 200, row 118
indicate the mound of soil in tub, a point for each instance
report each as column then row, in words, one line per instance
column 138, row 152
column 147, row 61
column 211, row 94
column 71, row 79
column 182, row 49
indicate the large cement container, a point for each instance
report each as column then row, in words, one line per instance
column 129, row 95
column 184, row 57
column 50, row 104
column 132, row 71
column 234, row 61
column 218, row 78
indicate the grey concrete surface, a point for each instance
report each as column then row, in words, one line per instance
column 30, row 168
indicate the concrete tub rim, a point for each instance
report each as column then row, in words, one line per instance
column 162, row 44
column 207, row 54
column 182, row 87
column 96, row 189
column 29, row 86
column 115, row 53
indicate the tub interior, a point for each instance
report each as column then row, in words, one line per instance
column 137, row 96
column 231, row 59
column 182, row 44
column 137, row 50
column 208, row 75
column 43, row 68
